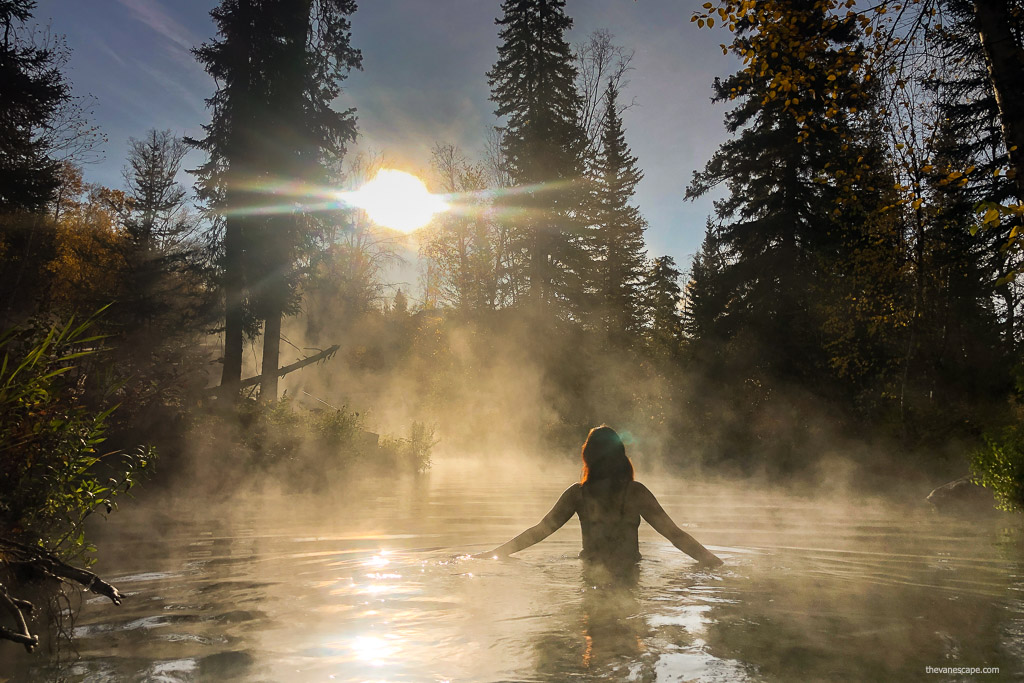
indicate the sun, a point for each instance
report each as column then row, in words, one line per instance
column 397, row 200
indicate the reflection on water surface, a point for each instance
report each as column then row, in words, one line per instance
column 369, row 586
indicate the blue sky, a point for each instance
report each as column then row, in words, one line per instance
column 423, row 81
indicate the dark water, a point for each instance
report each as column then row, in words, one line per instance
column 366, row 586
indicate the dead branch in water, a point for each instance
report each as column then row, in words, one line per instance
column 23, row 560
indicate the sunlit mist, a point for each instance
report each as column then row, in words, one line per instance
column 397, row 200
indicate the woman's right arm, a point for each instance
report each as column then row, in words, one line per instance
column 656, row 516
column 563, row 510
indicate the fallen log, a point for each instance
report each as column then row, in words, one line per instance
column 281, row 372
column 962, row 496
column 34, row 562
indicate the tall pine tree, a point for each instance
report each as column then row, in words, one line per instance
column 811, row 289
column 231, row 143
column 533, row 85
column 704, row 298
column 969, row 135
column 663, row 297
column 279, row 65
column 788, row 169
column 159, row 245
column 32, row 90
column 616, row 242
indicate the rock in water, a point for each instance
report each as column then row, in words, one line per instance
column 962, row 496
column 226, row 665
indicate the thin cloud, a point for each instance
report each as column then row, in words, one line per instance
column 100, row 44
column 150, row 13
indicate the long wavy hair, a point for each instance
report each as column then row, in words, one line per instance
column 604, row 458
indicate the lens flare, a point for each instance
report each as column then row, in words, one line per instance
column 398, row 200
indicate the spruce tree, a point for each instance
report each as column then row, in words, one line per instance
column 617, row 252
column 789, row 167
column 280, row 65
column 663, row 298
column 32, row 91
column 704, row 298
column 533, row 85
column 960, row 338
column 231, row 144
column 400, row 304
column 160, row 246
column 158, row 217
column 969, row 135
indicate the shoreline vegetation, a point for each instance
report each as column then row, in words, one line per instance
column 852, row 314
column 59, row 467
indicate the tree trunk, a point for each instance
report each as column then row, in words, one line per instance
column 235, row 196
column 271, row 355
column 231, row 375
column 1005, row 61
column 282, row 232
column 537, row 269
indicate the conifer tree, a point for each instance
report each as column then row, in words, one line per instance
column 533, row 86
column 279, row 65
column 160, row 245
column 663, row 297
column 158, row 217
column 231, row 144
column 960, row 339
column 704, row 305
column 32, row 90
column 791, row 165
column 617, row 252
column 970, row 135
column 400, row 304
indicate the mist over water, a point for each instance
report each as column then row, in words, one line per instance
column 371, row 583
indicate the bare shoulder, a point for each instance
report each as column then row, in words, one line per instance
column 642, row 495
column 639, row 490
column 570, row 500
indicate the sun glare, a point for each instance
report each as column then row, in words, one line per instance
column 398, row 200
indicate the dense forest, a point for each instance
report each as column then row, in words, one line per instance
column 854, row 299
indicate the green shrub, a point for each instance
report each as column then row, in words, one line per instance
column 412, row 453
column 53, row 472
column 280, row 433
column 999, row 466
column 304, row 449
column 336, row 428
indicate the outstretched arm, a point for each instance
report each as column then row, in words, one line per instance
column 552, row 522
column 656, row 516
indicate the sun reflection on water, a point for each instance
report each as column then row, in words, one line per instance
column 378, row 560
column 375, row 650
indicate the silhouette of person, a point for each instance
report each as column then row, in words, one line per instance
column 610, row 503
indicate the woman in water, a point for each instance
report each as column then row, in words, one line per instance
column 609, row 503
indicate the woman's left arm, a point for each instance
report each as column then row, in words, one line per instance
column 656, row 516
column 563, row 510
